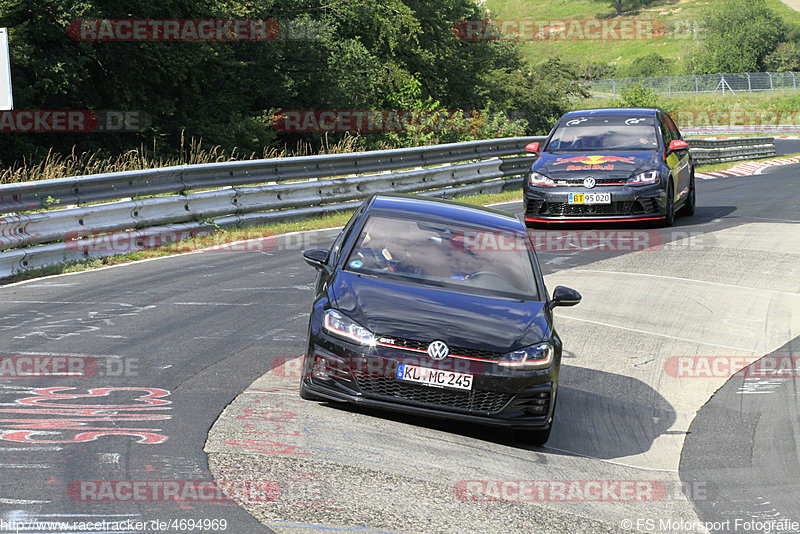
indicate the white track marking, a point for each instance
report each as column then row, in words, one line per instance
column 656, row 334
column 597, row 271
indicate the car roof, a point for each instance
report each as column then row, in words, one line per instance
column 613, row 111
column 444, row 209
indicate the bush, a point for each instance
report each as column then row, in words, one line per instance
column 597, row 70
column 785, row 58
column 639, row 96
column 652, row 64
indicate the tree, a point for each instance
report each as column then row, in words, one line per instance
column 737, row 36
column 362, row 55
column 785, row 58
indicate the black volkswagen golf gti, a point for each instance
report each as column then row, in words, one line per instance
column 619, row 164
column 435, row 308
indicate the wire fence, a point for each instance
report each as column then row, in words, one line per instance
column 724, row 84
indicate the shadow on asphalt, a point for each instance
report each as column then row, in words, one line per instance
column 586, row 424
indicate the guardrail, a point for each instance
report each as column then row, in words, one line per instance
column 707, row 151
column 199, row 199
column 203, row 198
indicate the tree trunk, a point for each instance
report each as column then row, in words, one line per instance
column 619, row 7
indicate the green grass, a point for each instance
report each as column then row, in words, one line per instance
column 783, row 11
column 228, row 236
column 677, row 17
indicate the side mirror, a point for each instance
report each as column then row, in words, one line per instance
column 564, row 296
column 677, row 144
column 532, row 147
column 316, row 257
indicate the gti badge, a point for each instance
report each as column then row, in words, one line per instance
column 438, row 350
column 589, row 182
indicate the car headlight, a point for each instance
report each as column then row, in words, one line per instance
column 533, row 357
column 536, row 178
column 340, row 325
column 644, row 178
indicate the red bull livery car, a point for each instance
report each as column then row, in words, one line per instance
column 619, row 164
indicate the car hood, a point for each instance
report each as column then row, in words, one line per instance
column 571, row 165
column 424, row 313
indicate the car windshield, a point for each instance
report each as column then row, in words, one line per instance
column 604, row 132
column 477, row 260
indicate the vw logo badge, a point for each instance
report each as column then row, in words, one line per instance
column 438, row 350
column 589, row 182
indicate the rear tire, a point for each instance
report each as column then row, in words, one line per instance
column 688, row 208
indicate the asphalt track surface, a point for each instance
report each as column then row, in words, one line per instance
column 177, row 340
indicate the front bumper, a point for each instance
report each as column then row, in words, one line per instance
column 366, row 376
column 551, row 204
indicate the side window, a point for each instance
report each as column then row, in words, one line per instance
column 665, row 131
column 336, row 248
column 671, row 127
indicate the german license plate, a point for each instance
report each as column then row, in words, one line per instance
column 434, row 377
column 590, row 198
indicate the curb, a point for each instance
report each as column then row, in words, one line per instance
column 749, row 168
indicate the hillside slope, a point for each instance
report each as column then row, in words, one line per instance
column 676, row 20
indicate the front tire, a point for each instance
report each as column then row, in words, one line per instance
column 533, row 437
column 669, row 215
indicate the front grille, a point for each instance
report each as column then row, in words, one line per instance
column 459, row 351
column 575, row 210
column 484, row 402
column 642, row 206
